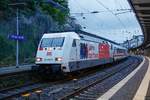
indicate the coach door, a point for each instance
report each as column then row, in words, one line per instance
column 73, row 54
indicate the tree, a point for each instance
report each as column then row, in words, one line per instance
column 8, row 11
column 35, row 18
column 4, row 47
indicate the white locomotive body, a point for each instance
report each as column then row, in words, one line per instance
column 71, row 51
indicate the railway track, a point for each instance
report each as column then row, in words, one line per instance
column 69, row 88
column 91, row 91
column 16, row 91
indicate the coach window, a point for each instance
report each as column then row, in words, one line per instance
column 74, row 43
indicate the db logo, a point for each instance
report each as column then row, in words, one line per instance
column 49, row 53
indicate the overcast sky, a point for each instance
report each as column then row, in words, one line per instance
column 109, row 22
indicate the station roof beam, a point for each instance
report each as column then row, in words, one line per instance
column 142, row 12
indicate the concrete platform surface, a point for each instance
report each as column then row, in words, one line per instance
column 14, row 69
column 136, row 86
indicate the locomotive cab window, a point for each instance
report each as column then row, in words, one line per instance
column 57, row 42
column 52, row 42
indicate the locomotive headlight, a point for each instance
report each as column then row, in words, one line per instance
column 38, row 59
column 58, row 58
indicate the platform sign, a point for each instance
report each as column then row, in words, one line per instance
column 16, row 37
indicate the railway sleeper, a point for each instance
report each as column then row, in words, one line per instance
column 87, row 95
column 84, row 98
column 91, row 93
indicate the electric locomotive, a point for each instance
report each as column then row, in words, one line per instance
column 73, row 51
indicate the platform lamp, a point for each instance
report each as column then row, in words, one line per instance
column 17, row 5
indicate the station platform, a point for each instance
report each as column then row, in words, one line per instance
column 14, row 69
column 136, row 86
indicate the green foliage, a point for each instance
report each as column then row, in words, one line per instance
column 55, row 13
column 4, row 46
column 62, row 2
column 29, row 8
column 6, row 52
column 35, row 18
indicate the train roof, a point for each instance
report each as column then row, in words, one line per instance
column 96, row 36
column 62, row 34
column 85, row 33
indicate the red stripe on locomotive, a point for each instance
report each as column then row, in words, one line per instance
column 104, row 51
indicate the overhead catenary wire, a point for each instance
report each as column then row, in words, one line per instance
column 120, row 6
column 116, row 14
column 117, row 11
column 123, row 7
column 99, row 2
column 78, row 4
column 87, row 11
column 113, row 11
column 127, row 17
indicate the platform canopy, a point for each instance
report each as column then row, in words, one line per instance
column 142, row 11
